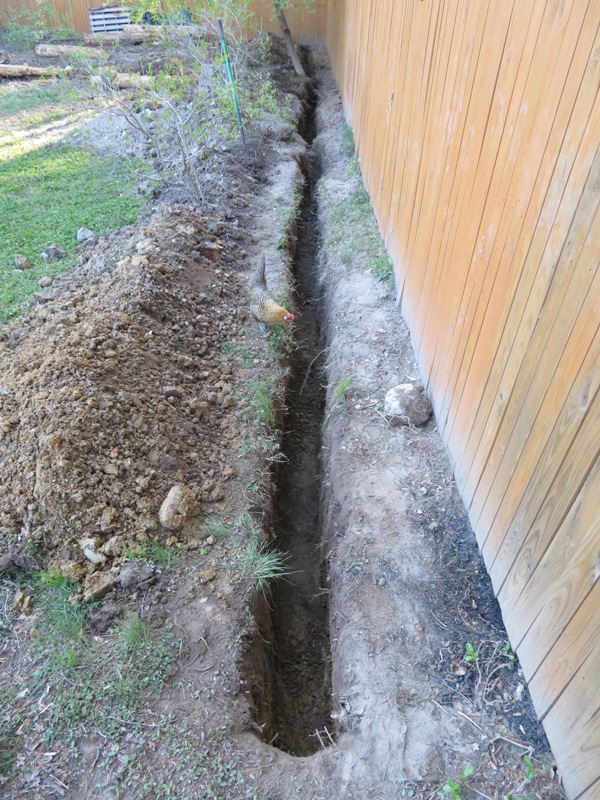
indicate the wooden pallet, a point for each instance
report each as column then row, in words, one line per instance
column 109, row 19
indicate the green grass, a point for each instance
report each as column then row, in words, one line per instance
column 344, row 389
column 94, row 681
column 34, row 95
column 351, row 231
column 215, row 525
column 263, row 565
column 50, row 188
column 261, row 398
column 154, row 552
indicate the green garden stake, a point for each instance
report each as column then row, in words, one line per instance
column 231, row 81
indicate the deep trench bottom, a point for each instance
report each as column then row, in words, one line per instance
column 294, row 701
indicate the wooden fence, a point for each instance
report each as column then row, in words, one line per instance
column 306, row 25
column 477, row 124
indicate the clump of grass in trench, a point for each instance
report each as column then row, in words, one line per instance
column 263, row 564
column 45, row 196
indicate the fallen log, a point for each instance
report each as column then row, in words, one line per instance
column 131, row 34
column 124, row 80
column 25, row 71
column 56, row 50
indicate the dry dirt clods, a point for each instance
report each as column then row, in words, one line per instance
column 95, row 431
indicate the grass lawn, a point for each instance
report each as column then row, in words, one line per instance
column 48, row 187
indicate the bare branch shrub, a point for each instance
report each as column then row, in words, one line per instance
column 184, row 114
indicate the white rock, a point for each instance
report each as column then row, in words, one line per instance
column 178, row 506
column 83, row 234
column 407, row 404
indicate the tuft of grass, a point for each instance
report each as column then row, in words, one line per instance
column 261, row 398
column 348, row 146
column 154, row 552
column 134, row 633
column 215, row 525
column 344, row 389
column 263, row 565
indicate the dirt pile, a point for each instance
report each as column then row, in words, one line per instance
column 117, row 389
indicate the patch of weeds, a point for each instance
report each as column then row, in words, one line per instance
column 453, row 787
column 26, row 27
column 9, row 745
column 470, row 653
column 345, row 389
column 262, row 393
column 261, row 401
column 215, row 525
column 154, row 552
column 243, row 354
column 348, row 146
column 286, row 215
column 133, row 633
column 262, row 564
column 351, row 234
column 281, row 341
column 32, row 96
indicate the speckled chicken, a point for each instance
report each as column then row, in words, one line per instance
column 262, row 303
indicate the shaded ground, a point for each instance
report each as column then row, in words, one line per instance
column 141, row 372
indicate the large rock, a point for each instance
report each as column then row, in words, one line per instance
column 177, row 508
column 407, row 404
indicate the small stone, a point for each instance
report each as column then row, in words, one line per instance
column 148, row 522
column 45, row 282
column 89, row 541
column 108, row 520
column 18, row 601
column 98, row 584
column 217, row 494
column 55, row 253
column 178, row 506
column 135, row 573
column 407, row 404
column 113, row 547
column 84, row 234
column 93, row 556
column 172, row 391
column 22, row 262
column 207, row 575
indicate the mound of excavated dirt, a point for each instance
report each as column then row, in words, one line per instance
column 117, row 389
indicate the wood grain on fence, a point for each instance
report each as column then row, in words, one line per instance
column 477, row 127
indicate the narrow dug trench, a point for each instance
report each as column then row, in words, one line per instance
column 299, row 718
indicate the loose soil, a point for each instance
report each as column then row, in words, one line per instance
column 348, row 679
